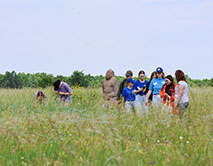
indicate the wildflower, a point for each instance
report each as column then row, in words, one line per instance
column 167, row 141
column 187, row 142
column 150, row 163
column 158, row 141
column 181, row 137
column 186, row 155
column 140, row 151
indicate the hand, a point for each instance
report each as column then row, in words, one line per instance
column 176, row 104
column 146, row 102
column 165, row 95
column 59, row 93
column 119, row 102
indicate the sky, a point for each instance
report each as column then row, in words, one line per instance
column 60, row 36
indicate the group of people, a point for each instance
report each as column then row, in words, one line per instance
column 62, row 89
column 138, row 95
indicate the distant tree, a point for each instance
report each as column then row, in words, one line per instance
column 78, row 78
column 11, row 80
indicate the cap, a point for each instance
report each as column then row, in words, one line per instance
column 159, row 70
column 130, row 80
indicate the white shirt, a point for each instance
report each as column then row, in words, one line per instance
column 185, row 97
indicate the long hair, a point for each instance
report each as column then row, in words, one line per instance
column 152, row 76
column 179, row 75
column 172, row 85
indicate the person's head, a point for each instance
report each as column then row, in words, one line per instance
column 141, row 75
column 169, row 80
column 56, row 84
column 159, row 72
column 129, row 74
column 130, row 82
column 109, row 74
column 179, row 75
column 40, row 95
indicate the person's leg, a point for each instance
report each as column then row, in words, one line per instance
column 138, row 104
column 144, row 107
column 157, row 101
column 128, row 106
column 182, row 109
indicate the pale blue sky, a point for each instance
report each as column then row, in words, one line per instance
column 60, row 36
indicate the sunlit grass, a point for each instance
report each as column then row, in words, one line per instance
column 91, row 132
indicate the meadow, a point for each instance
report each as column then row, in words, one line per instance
column 92, row 132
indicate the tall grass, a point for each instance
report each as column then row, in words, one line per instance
column 92, row 132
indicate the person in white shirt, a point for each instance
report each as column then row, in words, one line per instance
column 181, row 93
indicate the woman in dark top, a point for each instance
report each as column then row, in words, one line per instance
column 153, row 75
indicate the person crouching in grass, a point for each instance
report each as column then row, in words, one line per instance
column 40, row 97
column 128, row 97
column 63, row 90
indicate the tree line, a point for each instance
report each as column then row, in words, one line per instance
column 77, row 78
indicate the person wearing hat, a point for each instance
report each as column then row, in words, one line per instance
column 128, row 97
column 123, row 84
column 155, row 87
column 63, row 91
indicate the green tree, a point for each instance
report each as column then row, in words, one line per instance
column 11, row 80
column 78, row 78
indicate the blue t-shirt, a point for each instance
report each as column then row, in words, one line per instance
column 156, row 85
column 140, row 85
column 128, row 94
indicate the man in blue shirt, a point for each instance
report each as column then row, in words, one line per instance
column 128, row 97
column 155, row 87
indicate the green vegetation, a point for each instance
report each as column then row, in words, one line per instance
column 77, row 78
column 91, row 132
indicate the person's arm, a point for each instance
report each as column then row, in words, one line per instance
column 147, row 97
column 63, row 93
column 120, row 90
column 163, row 93
column 123, row 103
column 137, row 91
column 180, row 94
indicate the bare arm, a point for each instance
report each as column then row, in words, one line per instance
column 180, row 94
column 123, row 102
column 139, row 90
column 147, row 97
column 63, row 93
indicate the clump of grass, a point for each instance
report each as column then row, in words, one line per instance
column 89, row 132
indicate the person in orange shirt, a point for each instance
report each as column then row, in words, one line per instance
column 168, row 93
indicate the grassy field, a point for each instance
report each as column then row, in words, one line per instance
column 88, row 132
